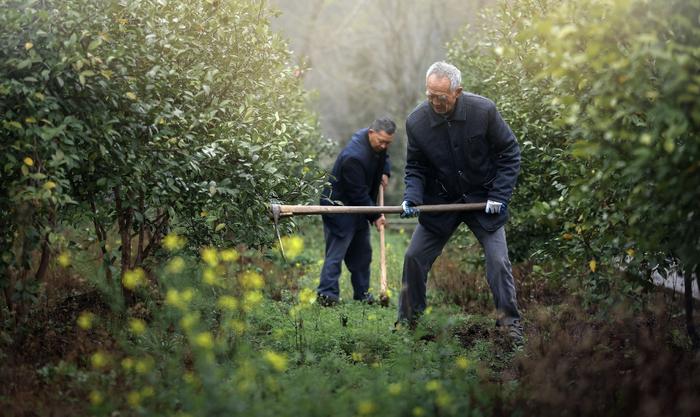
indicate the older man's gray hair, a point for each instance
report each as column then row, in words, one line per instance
column 444, row 70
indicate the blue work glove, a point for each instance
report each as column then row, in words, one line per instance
column 409, row 210
column 493, row 206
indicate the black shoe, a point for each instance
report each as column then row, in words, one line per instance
column 367, row 299
column 326, row 301
column 515, row 333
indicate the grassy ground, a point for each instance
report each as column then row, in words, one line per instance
column 245, row 337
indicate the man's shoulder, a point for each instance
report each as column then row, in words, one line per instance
column 477, row 102
column 418, row 115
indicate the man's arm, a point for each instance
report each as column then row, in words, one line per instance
column 355, row 186
column 507, row 157
column 416, row 170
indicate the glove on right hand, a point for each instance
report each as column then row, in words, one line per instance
column 409, row 210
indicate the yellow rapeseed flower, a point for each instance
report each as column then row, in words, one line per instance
column 144, row 365
column 137, row 326
column 28, row 46
column 173, row 298
column 433, row 385
column 127, row 363
column 366, row 407
column 293, row 246
column 99, row 360
column 210, row 256
column 227, row 302
column 176, row 265
column 133, row 398
column 307, row 296
column 64, row 259
column 131, row 96
column 209, row 277
column 187, row 294
column 229, row 255
column 394, row 388
column 96, row 397
column 28, row 161
column 49, row 185
column 204, row 340
column 147, row 391
column 252, row 280
column 85, row 320
column 134, row 278
column 357, row 356
column 462, row 362
column 443, row 399
column 173, row 242
column 276, row 360
column 418, row 411
column 189, row 320
column 251, row 300
column 237, row 326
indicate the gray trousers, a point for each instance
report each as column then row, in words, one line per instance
column 425, row 247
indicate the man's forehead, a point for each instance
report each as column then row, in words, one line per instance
column 438, row 83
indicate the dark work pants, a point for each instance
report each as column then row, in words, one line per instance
column 425, row 247
column 355, row 249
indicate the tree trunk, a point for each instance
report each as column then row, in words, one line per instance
column 124, row 220
column 102, row 241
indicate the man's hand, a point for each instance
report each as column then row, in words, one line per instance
column 380, row 223
column 385, row 180
column 493, row 206
column 409, row 210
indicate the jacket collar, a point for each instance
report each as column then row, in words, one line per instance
column 459, row 113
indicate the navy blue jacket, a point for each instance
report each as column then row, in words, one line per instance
column 470, row 156
column 355, row 181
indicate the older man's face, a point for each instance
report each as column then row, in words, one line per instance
column 441, row 99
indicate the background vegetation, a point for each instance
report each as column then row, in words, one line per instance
column 143, row 140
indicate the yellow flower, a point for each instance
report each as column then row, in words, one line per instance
column 293, row 246
column 227, row 302
column 366, row 407
column 210, row 256
column 137, row 326
column 176, row 265
column 133, row 398
column 630, row 252
column 418, row 411
column 394, row 389
column 357, row 356
column 131, row 96
column 28, row 161
column 99, row 360
column 96, row 398
column 30, row 120
column 28, row 46
column 432, row 385
column 147, row 391
column 204, row 340
column 189, row 320
column 173, row 242
column 307, row 296
column 85, row 320
column 252, row 280
column 144, row 365
column 209, row 277
column 276, row 360
column 173, row 298
column 462, row 362
column 592, row 264
column 229, row 255
column 237, row 326
column 127, row 363
column 49, row 185
column 134, row 278
column 251, row 300
column 187, row 294
column 443, row 399
column 64, row 259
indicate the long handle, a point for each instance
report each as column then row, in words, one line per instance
column 382, row 249
column 281, row 210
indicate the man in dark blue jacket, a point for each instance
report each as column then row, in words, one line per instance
column 360, row 169
column 459, row 150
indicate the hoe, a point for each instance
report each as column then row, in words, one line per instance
column 279, row 211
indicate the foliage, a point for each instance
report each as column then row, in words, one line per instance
column 147, row 115
column 603, row 97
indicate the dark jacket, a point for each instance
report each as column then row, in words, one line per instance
column 354, row 181
column 470, row 156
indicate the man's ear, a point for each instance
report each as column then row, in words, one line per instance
column 458, row 90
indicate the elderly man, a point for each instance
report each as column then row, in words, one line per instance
column 360, row 169
column 459, row 150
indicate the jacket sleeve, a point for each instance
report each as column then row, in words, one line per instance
column 387, row 166
column 355, row 185
column 417, row 167
column 506, row 157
